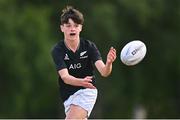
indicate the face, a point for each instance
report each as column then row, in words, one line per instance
column 71, row 30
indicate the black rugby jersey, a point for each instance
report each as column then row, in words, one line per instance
column 79, row 63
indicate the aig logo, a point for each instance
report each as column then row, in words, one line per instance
column 75, row 66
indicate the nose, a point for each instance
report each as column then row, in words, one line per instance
column 72, row 28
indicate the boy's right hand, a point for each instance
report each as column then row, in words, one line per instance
column 87, row 82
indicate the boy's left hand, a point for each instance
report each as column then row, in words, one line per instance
column 111, row 56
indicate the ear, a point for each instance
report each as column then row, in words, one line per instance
column 81, row 27
column 61, row 27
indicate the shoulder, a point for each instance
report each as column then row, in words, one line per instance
column 87, row 43
column 58, row 45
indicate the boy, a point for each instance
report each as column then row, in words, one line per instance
column 74, row 58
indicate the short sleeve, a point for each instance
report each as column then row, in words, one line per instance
column 94, row 53
column 58, row 58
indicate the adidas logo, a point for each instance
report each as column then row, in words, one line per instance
column 66, row 57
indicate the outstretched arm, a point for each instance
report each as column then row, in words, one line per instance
column 71, row 80
column 105, row 69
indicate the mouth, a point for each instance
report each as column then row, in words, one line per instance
column 72, row 34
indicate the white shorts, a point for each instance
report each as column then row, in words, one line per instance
column 84, row 98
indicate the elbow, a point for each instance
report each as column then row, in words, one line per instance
column 64, row 75
column 64, row 78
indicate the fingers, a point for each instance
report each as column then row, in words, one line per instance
column 88, row 79
column 89, row 85
column 113, row 52
column 111, row 55
column 87, row 82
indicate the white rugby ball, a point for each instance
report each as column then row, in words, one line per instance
column 133, row 52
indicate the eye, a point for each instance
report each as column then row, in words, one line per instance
column 68, row 25
column 76, row 25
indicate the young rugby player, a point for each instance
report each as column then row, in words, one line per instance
column 74, row 58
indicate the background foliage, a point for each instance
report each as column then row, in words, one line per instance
column 28, row 80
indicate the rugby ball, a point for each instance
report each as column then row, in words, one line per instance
column 133, row 52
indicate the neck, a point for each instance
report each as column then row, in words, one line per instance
column 72, row 44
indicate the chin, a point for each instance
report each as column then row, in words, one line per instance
column 73, row 38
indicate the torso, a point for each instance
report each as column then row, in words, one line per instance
column 79, row 63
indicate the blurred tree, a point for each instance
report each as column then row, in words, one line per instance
column 28, row 89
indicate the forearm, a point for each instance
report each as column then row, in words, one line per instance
column 104, row 69
column 71, row 80
column 107, row 70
